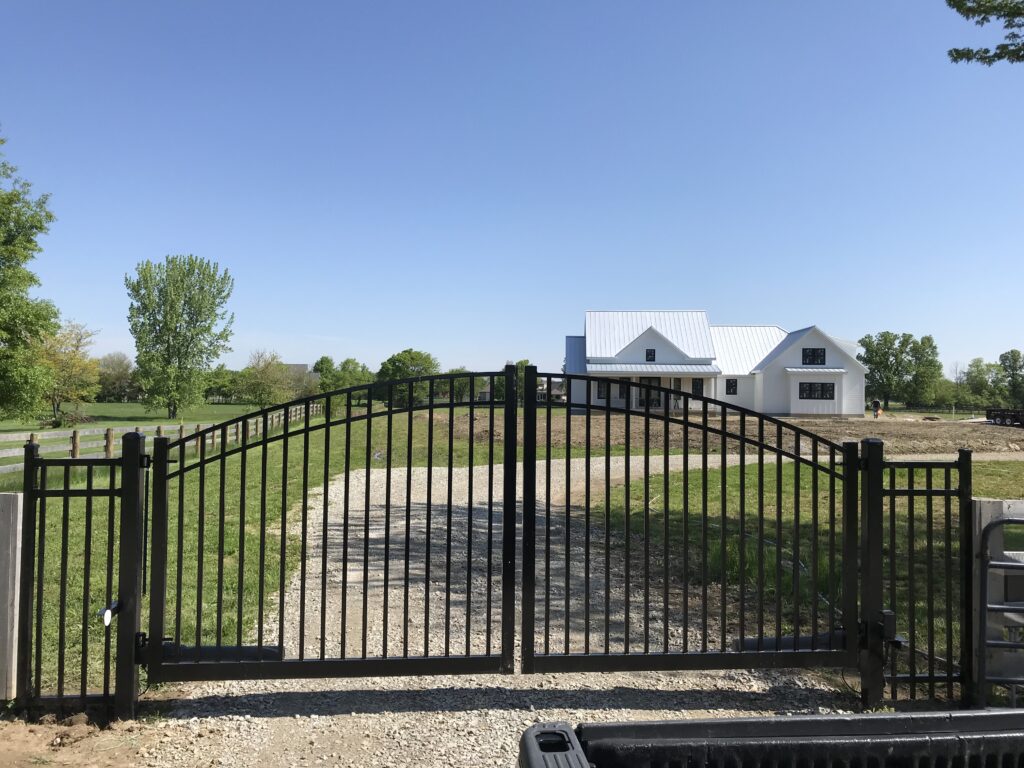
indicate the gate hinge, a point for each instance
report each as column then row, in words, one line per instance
column 141, row 641
column 146, row 461
column 862, row 463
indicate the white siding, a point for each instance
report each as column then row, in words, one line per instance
column 745, row 396
column 781, row 389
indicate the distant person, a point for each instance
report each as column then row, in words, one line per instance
column 876, row 408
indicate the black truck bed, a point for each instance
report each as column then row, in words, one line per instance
column 978, row 739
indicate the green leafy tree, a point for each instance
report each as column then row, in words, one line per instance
column 73, row 376
column 222, row 385
column 926, row 372
column 460, row 384
column 1012, row 363
column 266, row 381
column 351, row 373
column 986, row 383
column 521, row 379
column 324, row 368
column 407, row 364
column 983, row 12
column 178, row 318
column 117, row 379
column 23, row 320
column 890, row 362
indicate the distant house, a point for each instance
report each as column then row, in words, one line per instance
column 761, row 367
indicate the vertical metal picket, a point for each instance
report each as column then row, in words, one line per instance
column 28, row 552
column 158, row 556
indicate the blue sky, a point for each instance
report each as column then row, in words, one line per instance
column 469, row 177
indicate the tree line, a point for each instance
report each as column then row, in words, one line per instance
column 907, row 370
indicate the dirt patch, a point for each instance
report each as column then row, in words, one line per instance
column 901, row 434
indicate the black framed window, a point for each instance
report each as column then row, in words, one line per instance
column 602, row 390
column 814, row 356
column 817, row 390
column 623, row 389
column 697, row 387
column 731, row 386
column 650, row 355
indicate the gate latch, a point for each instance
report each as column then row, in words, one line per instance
column 141, row 641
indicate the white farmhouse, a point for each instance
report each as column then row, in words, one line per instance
column 761, row 367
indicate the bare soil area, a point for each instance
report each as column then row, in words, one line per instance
column 902, row 434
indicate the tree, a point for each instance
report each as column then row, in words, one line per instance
column 407, row 364
column 521, row 380
column 178, row 318
column 117, row 378
column 926, row 372
column 266, row 381
column 887, row 356
column 460, row 384
column 73, row 376
column 23, row 320
column 986, row 383
column 221, row 385
column 1012, row 363
column 351, row 373
column 324, row 368
column 983, row 12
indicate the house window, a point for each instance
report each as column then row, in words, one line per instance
column 817, row 390
column 624, row 389
column 677, row 383
column 602, row 390
column 814, row 356
column 730, row 386
column 697, row 387
column 650, row 355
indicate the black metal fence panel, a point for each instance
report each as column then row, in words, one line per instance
column 927, row 577
column 668, row 530
column 373, row 533
column 70, row 580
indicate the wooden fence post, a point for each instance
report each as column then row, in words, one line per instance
column 74, row 444
column 181, row 431
column 159, row 430
column 108, row 444
column 197, row 439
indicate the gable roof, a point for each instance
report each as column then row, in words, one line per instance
column 739, row 348
column 608, row 333
column 848, row 348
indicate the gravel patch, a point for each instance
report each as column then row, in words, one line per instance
column 445, row 719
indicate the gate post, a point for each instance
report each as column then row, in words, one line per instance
column 529, row 513
column 158, row 559
column 27, row 578
column 851, row 547
column 970, row 622
column 129, row 575
column 508, row 529
column 872, row 647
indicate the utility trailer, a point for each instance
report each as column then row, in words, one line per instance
column 977, row 739
column 1005, row 417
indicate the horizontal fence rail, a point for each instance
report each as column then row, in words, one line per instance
column 365, row 531
column 669, row 530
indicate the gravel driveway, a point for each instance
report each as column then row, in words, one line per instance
column 437, row 720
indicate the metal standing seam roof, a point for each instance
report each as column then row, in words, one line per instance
column 677, row 369
column 739, row 348
column 575, row 355
column 608, row 333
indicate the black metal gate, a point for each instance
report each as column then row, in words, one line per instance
column 374, row 531
column 671, row 531
column 265, row 566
